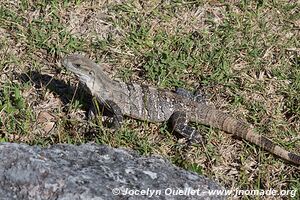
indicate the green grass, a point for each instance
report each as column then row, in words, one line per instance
column 244, row 55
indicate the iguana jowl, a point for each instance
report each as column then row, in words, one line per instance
column 156, row 105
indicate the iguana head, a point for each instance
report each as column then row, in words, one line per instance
column 90, row 74
column 82, row 67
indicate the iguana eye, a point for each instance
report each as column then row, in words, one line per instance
column 77, row 65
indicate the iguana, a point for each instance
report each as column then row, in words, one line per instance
column 156, row 105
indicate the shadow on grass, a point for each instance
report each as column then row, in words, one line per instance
column 67, row 95
column 63, row 90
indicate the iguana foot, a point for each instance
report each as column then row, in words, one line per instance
column 180, row 125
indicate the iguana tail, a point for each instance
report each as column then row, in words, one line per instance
column 227, row 123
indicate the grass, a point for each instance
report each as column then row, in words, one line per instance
column 244, row 55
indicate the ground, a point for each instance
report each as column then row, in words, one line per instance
column 243, row 55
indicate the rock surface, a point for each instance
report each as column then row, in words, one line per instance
column 94, row 172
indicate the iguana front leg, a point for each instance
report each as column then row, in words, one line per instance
column 110, row 110
column 179, row 123
column 116, row 114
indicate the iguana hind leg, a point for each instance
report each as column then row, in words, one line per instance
column 180, row 125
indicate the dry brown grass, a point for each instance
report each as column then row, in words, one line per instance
column 251, row 77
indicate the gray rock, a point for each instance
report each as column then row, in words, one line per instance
column 95, row 172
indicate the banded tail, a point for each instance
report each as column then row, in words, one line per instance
column 227, row 123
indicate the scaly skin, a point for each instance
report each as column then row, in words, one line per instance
column 156, row 105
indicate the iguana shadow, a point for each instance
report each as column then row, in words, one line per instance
column 66, row 92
